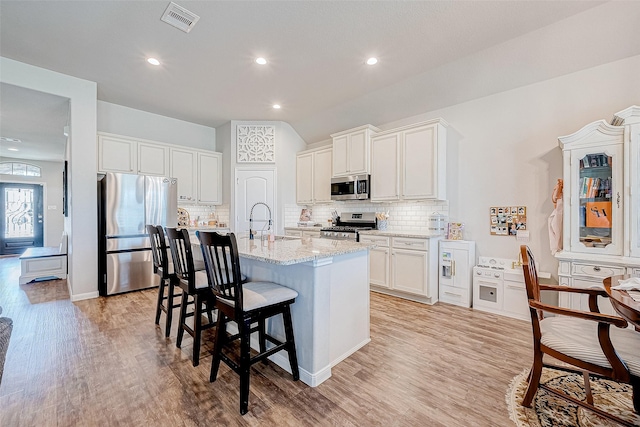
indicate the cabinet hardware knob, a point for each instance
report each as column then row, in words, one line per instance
column 596, row 268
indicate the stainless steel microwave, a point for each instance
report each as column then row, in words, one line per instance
column 354, row 187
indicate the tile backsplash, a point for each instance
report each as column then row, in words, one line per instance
column 402, row 215
column 203, row 212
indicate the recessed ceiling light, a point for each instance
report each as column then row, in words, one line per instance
column 276, row 106
column 261, row 61
column 13, row 149
column 6, row 139
column 372, row 61
column 153, row 61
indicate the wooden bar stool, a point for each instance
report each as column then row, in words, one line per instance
column 164, row 269
column 193, row 286
column 246, row 304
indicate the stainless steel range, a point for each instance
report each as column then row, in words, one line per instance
column 348, row 225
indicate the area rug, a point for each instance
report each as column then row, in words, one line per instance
column 549, row 410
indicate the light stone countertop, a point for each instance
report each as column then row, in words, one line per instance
column 294, row 251
column 296, row 227
column 421, row 234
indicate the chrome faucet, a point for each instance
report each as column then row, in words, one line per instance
column 251, row 219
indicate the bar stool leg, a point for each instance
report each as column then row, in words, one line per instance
column 245, row 366
column 160, row 298
column 167, row 329
column 221, row 332
column 183, row 314
column 197, row 328
column 291, row 344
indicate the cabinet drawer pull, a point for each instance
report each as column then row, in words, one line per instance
column 451, row 293
column 596, row 268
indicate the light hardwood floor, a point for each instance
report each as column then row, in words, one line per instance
column 103, row 362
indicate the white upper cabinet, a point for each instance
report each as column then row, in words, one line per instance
column 322, row 167
column 304, row 178
column 351, row 151
column 209, row 178
column 593, row 189
column 199, row 172
column 127, row 155
column 385, row 167
column 313, row 176
column 116, row 154
column 409, row 163
column 184, row 168
column 153, row 159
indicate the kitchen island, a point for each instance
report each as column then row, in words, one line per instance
column 331, row 312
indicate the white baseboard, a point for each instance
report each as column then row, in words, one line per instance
column 80, row 297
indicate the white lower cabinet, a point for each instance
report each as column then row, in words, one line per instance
column 378, row 260
column 404, row 266
column 410, row 271
column 296, row 232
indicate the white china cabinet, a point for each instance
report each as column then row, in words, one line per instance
column 601, row 204
column 409, row 163
column 351, row 151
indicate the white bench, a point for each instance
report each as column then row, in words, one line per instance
column 44, row 263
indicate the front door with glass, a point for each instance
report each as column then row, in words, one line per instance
column 21, row 217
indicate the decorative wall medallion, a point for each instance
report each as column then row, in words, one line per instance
column 256, row 144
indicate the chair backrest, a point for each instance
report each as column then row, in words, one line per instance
column 531, row 281
column 222, row 264
column 158, row 250
column 182, row 256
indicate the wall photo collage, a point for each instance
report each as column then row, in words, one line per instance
column 507, row 220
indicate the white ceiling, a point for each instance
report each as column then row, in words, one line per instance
column 432, row 54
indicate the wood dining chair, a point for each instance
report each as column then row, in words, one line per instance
column 168, row 280
column 245, row 304
column 195, row 291
column 584, row 340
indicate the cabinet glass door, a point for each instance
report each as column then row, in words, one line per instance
column 599, row 213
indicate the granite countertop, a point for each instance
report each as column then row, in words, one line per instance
column 294, row 251
column 421, row 234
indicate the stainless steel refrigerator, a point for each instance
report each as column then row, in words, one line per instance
column 126, row 204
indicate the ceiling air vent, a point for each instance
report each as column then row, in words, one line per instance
column 179, row 17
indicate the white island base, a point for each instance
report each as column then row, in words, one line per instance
column 330, row 315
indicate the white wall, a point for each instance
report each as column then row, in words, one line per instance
column 113, row 118
column 51, row 178
column 508, row 150
column 82, row 221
